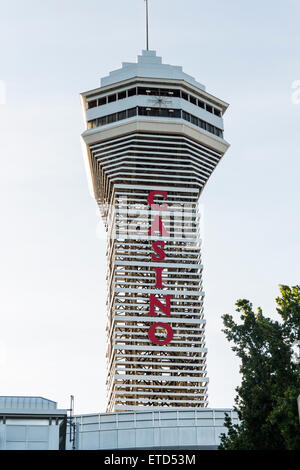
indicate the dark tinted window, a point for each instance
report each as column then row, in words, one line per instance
column 111, row 118
column 176, row 93
column 163, row 112
column 176, row 113
column 102, row 121
column 121, row 115
column 143, row 111
column 121, row 95
column 92, row 104
column 186, row 116
column 112, row 98
column 131, row 112
column 194, row 120
column 142, row 90
column 132, row 92
column 158, row 92
column 209, row 108
column 185, row 96
column 102, row 101
column 165, row 92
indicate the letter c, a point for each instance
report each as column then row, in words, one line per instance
column 155, row 206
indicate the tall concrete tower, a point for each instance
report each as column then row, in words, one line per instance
column 153, row 137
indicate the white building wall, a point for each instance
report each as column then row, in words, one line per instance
column 170, row 429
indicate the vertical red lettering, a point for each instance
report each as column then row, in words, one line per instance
column 159, row 254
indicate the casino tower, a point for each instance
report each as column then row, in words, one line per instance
column 153, row 129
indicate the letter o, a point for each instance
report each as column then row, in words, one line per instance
column 166, row 326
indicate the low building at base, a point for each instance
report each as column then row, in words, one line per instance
column 35, row 423
column 31, row 423
column 193, row 428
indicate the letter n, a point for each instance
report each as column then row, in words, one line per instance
column 155, row 302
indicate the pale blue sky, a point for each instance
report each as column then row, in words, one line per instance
column 52, row 275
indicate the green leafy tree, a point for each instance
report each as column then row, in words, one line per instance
column 266, row 400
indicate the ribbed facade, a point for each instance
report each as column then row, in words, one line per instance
column 129, row 159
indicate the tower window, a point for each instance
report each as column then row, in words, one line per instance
column 131, row 112
column 194, row 120
column 186, row 116
column 143, row 91
column 122, row 95
column 165, row 92
column 209, row 108
column 92, row 124
column 176, row 113
column 201, row 104
column 102, row 101
column 112, row 98
column 163, row 112
column 121, row 115
column 132, row 92
column 217, row 112
column 176, row 93
column 154, row 112
column 193, row 100
column 210, row 128
column 102, row 121
column 184, row 95
column 111, row 118
column 92, row 104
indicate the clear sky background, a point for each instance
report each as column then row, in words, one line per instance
column 52, row 265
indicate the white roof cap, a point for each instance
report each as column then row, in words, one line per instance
column 149, row 65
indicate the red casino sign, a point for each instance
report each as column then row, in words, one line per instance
column 159, row 255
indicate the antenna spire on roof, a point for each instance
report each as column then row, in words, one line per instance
column 147, row 25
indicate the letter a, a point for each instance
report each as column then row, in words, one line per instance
column 157, row 225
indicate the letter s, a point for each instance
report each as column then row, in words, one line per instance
column 158, row 247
